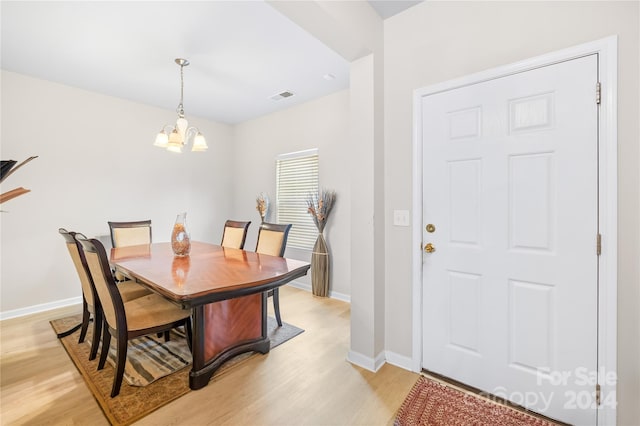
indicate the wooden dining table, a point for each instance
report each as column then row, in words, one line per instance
column 225, row 288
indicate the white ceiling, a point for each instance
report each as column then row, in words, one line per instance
column 241, row 52
column 388, row 8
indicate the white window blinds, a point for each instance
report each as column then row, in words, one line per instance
column 296, row 178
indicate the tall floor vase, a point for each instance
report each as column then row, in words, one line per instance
column 320, row 268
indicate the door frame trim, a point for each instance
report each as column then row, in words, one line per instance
column 607, row 50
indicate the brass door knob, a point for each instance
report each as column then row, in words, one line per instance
column 429, row 248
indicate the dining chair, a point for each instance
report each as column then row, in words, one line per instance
column 90, row 303
column 272, row 240
column 125, row 234
column 126, row 320
column 234, row 234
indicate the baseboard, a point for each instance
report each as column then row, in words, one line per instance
column 15, row 313
column 301, row 286
column 368, row 363
column 401, row 361
column 332, row 294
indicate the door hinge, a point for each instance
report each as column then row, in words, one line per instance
column 598, row 393
column 599, row 244
column 598, row 92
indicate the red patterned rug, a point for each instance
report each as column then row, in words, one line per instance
column 436, row 404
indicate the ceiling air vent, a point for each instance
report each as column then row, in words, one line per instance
column 281, row 95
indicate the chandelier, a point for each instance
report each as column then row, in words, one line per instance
column 175, row 137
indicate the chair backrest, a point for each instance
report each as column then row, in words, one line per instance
column 272, row 239
column 130, row 233
column 234, row 234
column 103, row 280
column 77, row 256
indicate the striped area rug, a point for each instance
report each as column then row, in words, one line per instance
column 135, row 402
column 150, row 358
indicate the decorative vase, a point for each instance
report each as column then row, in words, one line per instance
column 180, row 238
column 320, row 268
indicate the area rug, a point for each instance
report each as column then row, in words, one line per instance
column 434, row 403
column 150, row 358
column 135, row 402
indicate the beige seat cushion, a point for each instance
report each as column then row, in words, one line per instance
column 151, row 311
column 120, row 276
column 130, row 290
column 123, row 237
column 84, row 278
column 232, row 237
column 270, row 242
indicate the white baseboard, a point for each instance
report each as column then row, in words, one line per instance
column 401, row 361
column 332, row 294
column 301, row 286
column 15, row 313
column 371, row 364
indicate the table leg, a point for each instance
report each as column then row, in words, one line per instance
column 224, row 329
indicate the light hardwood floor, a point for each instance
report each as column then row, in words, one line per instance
column 306, row 381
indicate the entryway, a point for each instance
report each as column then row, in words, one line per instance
column 511, row 227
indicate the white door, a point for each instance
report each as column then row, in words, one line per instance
column 510, row 186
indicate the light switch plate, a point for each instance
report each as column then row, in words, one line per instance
column 401, row 217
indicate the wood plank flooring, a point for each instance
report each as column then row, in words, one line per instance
column 307, row 381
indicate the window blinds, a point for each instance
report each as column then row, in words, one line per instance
column 296, row 178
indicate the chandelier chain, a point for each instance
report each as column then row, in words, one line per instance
column 180, row 109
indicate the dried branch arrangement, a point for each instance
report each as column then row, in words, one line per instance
column 262, row 205
column 320, row 206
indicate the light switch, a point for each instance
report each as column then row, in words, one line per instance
column 401, row 217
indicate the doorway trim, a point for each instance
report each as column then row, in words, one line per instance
column 607, row 50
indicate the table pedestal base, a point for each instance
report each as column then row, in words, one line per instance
column 199, row 379
column 226, row 329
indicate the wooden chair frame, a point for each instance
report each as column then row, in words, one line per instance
column 236, row 224
column 71, row 238
column 132, row 224
column 122, row 332
column 275, row 293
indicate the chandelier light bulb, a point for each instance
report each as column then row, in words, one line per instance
column 199, row 143
column 162, row 140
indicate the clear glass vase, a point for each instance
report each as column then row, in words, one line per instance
column 180, row 237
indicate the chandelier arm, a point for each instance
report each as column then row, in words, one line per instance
column 190, row 134
column 168, row 128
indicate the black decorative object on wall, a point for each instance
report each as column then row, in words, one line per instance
column 7, row 168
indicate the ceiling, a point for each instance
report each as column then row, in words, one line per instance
column 241, row 53
column 388, row 8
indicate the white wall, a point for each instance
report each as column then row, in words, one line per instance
column 322, row 124
column 439, row 41
column 96, row 163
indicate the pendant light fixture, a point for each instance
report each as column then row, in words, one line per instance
column 175, row 137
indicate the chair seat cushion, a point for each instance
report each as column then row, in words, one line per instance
column 233, row 237
column 119, row 275
column 270, row 242
column 130, row 290
column 131, row 236
column 152, row 310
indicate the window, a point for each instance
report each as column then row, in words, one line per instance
column 296, row 178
